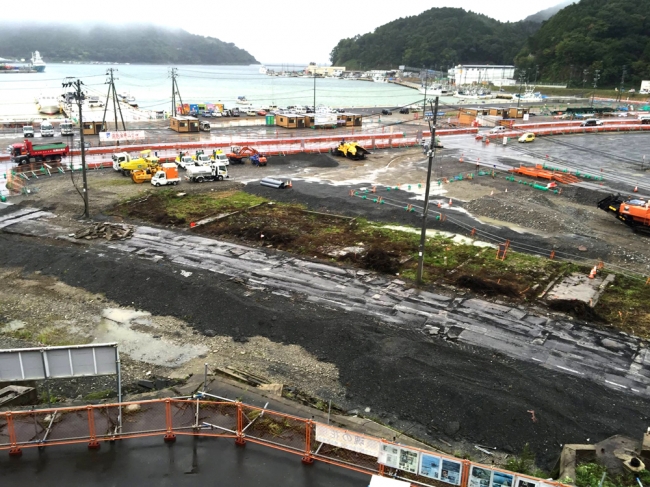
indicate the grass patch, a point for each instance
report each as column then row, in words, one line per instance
column 112, row 182
column 98, row 395
column 590, row 474
column 519, row 278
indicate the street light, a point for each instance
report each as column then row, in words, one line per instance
column 522, row 75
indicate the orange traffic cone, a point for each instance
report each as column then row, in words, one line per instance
column 636, row 189
column 593, row 272
column 439, row 205
column 449, row 201
column 289, row 184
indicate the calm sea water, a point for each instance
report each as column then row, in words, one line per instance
column 151, row 86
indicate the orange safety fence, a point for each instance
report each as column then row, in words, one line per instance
column 309, row 439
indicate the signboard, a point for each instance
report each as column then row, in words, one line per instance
column 429, row 466
column 322, row 118
column 347, row 439
column 525, row 482
column 389, row 455
column 480, row 477
column 450, row 471
column 128, row 135
column 408, row 460
column 58, row 362
column 502, row 479
column 526, row 117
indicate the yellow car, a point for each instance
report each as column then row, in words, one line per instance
column 527, row 137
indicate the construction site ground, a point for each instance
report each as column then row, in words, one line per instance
column 56, row 292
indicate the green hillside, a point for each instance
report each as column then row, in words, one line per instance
column 122, row 44
column 590, row 35
column 437, row 37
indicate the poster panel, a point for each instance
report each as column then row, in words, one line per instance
column 347, row 439
column 502, row 479
column 450, row 471
column 525, row 482
column 408, row 460
column 429, row 466
column 480, row 477
column 389, row 455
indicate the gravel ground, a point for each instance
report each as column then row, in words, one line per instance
column 440, row 389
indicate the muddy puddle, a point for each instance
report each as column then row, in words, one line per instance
column 135, row 334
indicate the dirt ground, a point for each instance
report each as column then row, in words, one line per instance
column 438, row 389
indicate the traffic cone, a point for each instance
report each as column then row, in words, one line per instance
column 593, row 272
column 506, row 190
column 449, row 201
column 439, row 205
column 492, row 193
column 636, row 189
column 289, row 184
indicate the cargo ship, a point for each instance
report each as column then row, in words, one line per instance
column 36, row 65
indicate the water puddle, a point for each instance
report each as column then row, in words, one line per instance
column 117, row 325
column 459, row 239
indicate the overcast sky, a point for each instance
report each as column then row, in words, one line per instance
column 274, row 31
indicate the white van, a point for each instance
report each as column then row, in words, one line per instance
column 28, row 131
column 47, row 130
column 66, row 127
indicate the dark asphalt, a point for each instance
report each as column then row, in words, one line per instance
column 188, row 462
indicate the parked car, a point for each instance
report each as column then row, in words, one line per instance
column 261, row 113
column 644, row 119
column 404, row 110
column 386, row 111
column 251, row 113
column 498, row 129
column 527, row 137
column 591, row 122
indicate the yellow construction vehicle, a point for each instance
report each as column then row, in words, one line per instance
column 146, row 161
column 351, row 150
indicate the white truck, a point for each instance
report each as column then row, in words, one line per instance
column 66, row 127
column 204, row 159
column 221, row 158
column 185, row 161
column 47, row 130
column 199, row 174
column 119, row 158
column 28, row 131
column 167, row 174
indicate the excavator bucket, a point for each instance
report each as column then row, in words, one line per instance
column 611, row 203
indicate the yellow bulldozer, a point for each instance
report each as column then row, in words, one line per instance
column 351, row 150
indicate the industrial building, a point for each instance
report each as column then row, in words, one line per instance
column 470, row 74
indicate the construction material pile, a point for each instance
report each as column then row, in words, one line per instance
column 109, row 231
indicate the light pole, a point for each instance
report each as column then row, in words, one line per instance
column 425, row 210
column 585, row 72
column 79, row 98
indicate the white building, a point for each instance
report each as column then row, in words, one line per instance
column 645, row 86
column 470, row 74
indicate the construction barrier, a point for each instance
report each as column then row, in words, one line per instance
column 223, row 418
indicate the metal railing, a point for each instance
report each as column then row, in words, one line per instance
column 223, row 418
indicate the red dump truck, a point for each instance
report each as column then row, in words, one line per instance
column 27, row 152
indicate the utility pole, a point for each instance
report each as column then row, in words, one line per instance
column 622, row 88
column 596, row 78
column 426, row 86
column 314, row 93
column 585, row 72
column 79, row 98
column 116, row 104
column 522, row 75
column 425, row 211
column 175, row 91
column 536, row 73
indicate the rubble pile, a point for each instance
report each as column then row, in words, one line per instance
column 109, row 231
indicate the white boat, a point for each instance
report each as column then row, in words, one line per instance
column 127, row 98
column 435, row 91
column 379, row 78
column 49, row 105
column 37, row 62
column 263, row 70
column 530, row 95
column 242, row 100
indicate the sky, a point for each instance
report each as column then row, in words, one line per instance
column 274, row 31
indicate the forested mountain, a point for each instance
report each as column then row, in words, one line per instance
column 593, row 35
column 547, row 13
column 130, row 43
column 438, row 37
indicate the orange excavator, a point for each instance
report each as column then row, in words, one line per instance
column 634, row 212
column 238, row 155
